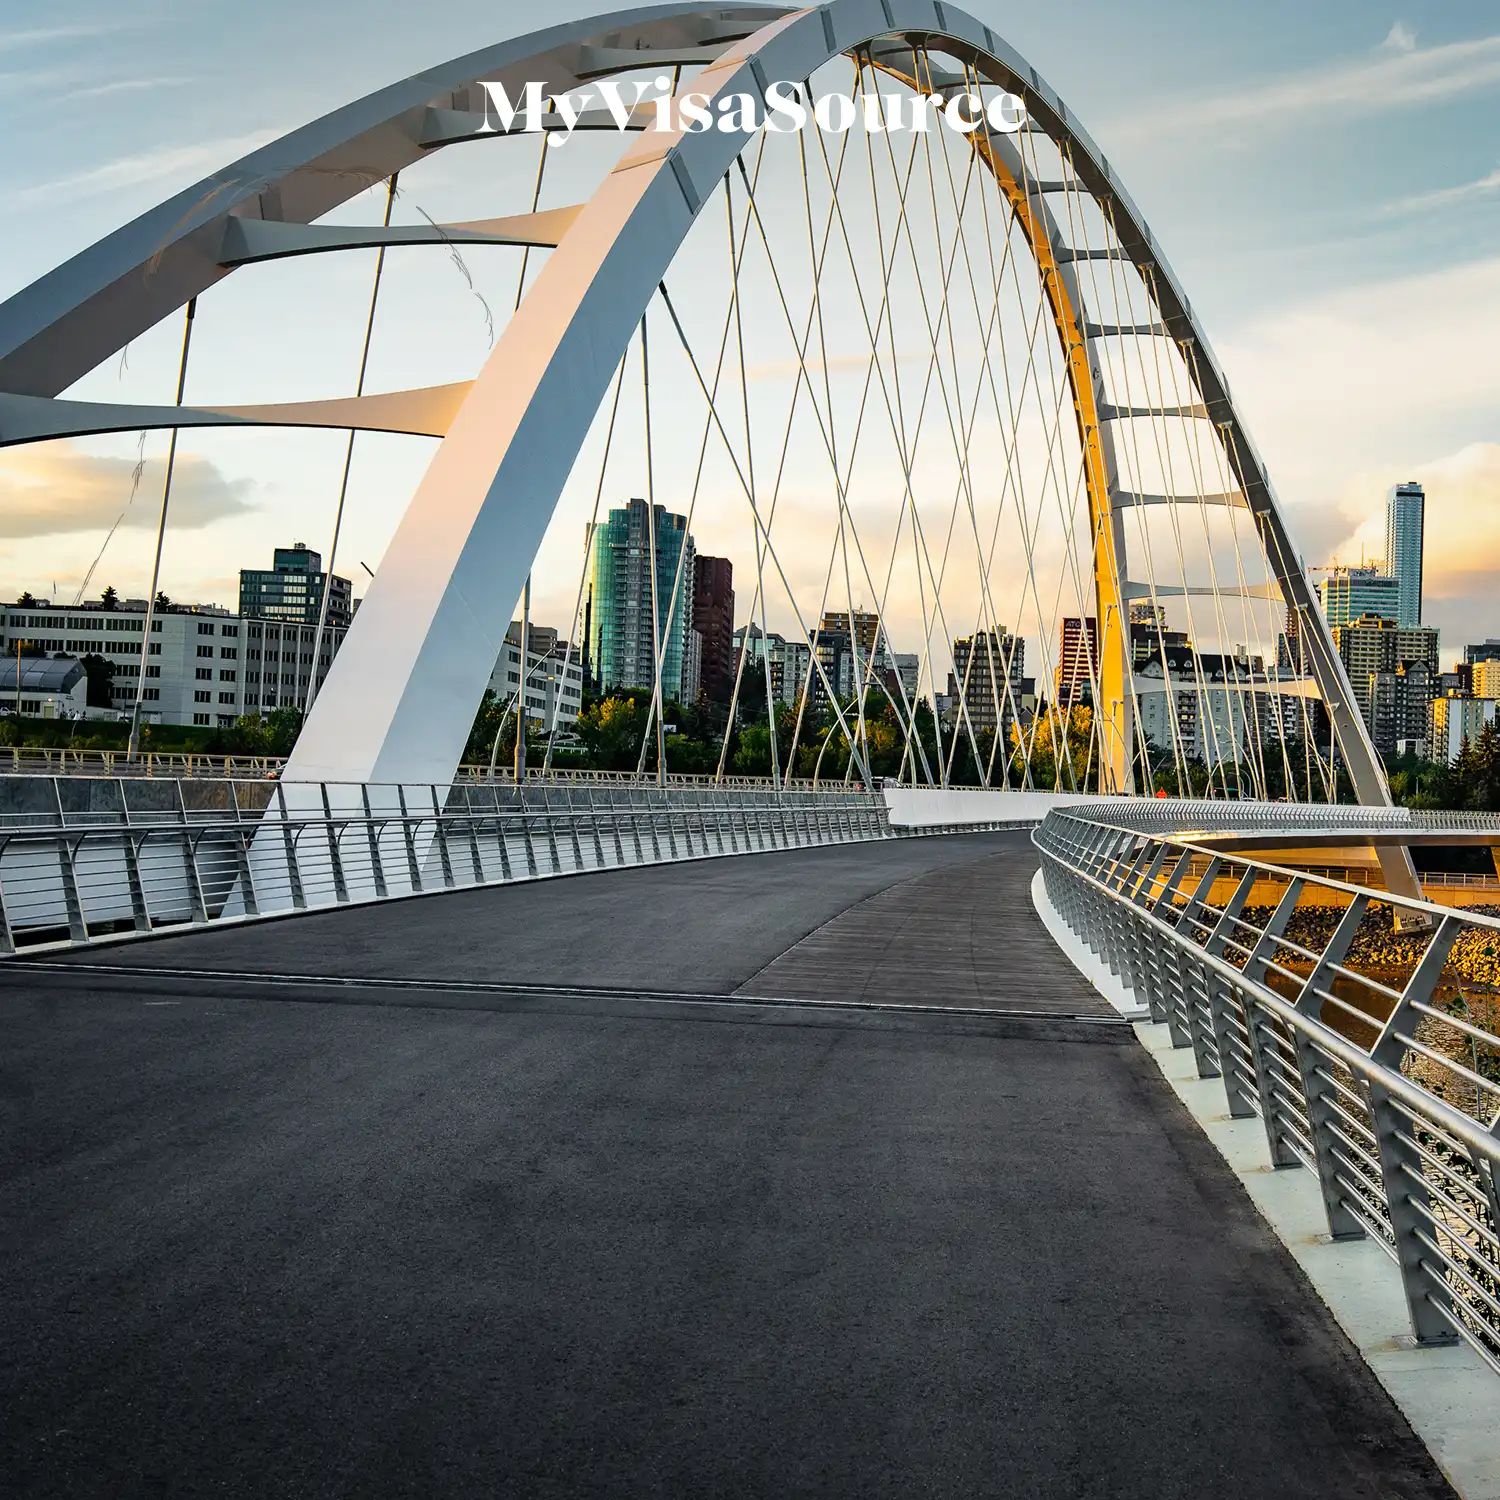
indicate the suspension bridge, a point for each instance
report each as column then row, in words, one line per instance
column 880, row 1088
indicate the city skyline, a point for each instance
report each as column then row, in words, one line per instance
column 1259, row 288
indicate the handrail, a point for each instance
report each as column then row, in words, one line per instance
column 1367, row 1079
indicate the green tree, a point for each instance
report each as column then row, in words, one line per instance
column 100, row 672
column 109, row 599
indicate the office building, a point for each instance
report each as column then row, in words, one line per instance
column 1453, row 722
column 291, row 589
column 987, row 672
column 1484, row 651
column 1404, row 520
column 1077, row 661
column 1400, row 700
column 713, row 619
column 790, row 662
column 620, row 578
column 204, row 666
column 1348, row 593
column 852, row 652
column 1373, row 643
column 908, row 667
column 692, row 668
column 1484, row 679
column 550, row 690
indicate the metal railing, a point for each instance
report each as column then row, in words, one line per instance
column 87, row 858
column 63, row 761
column 1371, row 1056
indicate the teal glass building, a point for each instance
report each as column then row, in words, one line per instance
column 620, row 576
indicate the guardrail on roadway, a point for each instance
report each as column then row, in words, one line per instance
column 1371, row 1057
column 87, row 858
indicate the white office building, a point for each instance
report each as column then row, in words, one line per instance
column 549, row 689
column 204, row 666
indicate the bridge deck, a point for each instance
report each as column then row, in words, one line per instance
column 571, row 1243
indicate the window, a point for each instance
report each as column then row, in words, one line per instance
column 202, row 697
column 229, row 653
column 226, row 698
column 200, row 718
column 226, row 674
column 204, row 674
column 205, row 627
column 152, row 695
column 205, row 650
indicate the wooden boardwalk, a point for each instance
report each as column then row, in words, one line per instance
column 963, row 935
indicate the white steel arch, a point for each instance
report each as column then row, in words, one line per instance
column 399, row 701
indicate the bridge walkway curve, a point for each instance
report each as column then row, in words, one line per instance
column 408, row 1200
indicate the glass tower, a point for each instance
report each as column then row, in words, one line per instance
column 1348, row 593
column 1403, row 549
column 620, row 573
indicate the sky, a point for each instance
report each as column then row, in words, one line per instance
column 1325, row 181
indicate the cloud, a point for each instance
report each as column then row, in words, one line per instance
column 1443, row 197
column 1397, row 74
column 184, row 163
column 1373, row 374
column 1400, row 38
column 52, row 490
column 125, row 86
column 41, row 36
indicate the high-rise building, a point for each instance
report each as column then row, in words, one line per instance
column 1484, row 679
column 713, row 619
column 1403, row 548
column 852, row 652
column 1453, row 721
column 1400, row 700
column 291, row 589
column 1077, row 660
column 986, row 678
column 1372, row 644
column 1348, row 593
column 789, row 662
column 692, row 668
column 620, row 571
column 909, row 669
column 1484, row 651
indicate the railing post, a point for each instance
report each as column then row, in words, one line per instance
column 289, row 846
column 377, row 868
column 1241, row 1089
column 409, row 838
column 1317, row 1092
column 335, row 849
column 440, row 838
column 1255, row 967
column 244, row 837
column 1401, row 1168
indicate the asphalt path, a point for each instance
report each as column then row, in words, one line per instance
column 648, row 1244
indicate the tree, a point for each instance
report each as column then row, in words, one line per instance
column 1062, row 755
column 109, row 599
column 162, row 602
column 27, row 599
column 282, row 727
column 611, row 731
column 100, row 672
